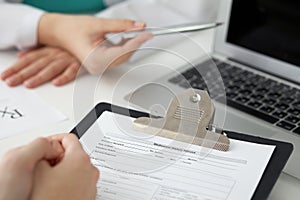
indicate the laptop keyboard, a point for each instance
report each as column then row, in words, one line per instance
column 264, row 98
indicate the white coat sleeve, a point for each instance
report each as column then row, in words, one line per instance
column 18, row 25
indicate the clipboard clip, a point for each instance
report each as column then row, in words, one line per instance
column 189, row 118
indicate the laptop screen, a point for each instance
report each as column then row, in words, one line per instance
column 269, row 27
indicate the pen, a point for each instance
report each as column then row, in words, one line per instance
column 173, row 29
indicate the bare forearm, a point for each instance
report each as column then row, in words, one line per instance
column 70, row 32
column 49, row 30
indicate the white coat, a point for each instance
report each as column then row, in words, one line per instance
column 18, row 25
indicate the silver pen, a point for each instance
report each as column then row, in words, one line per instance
column 173, row 29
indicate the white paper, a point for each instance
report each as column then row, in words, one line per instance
column 137, row 166
column 22, row 110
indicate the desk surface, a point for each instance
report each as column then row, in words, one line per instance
column 63, row 99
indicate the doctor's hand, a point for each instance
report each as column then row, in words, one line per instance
column 80, row 34
column 74, row 177
column 38, row 66
column 18, row 166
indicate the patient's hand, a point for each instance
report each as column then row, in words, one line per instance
column 18, row 166
column 38, row 66
column 74, row 177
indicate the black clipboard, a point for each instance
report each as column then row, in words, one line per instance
column 276, row 164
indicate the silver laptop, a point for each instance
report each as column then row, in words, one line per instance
column 257, row 53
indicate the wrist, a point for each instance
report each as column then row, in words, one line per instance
column 54, row 30
column 48, row 30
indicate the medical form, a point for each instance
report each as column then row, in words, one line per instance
column 138, row 166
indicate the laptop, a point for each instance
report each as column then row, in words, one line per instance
column 257, row 53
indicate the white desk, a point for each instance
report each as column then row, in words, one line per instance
column 287, row 187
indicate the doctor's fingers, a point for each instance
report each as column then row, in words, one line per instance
column 113, row 55
column 127, row 48
column 119, row 25
column 49, row 72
